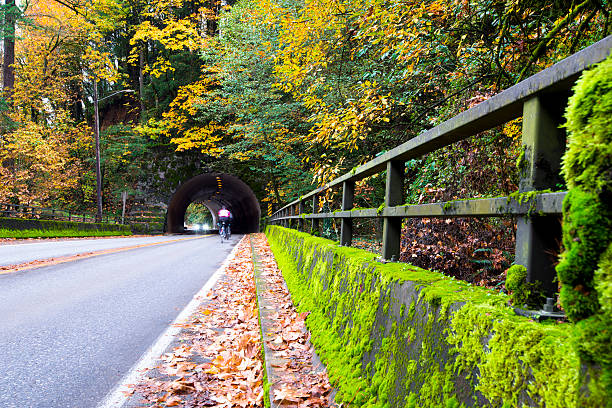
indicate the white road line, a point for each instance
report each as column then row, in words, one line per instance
column 119, row 395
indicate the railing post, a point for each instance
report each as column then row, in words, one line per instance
column 314, row 227
column 300, row 212
column 294, row 223
column 544, row 143
column 346, row 228
column 394, row 195
column 289, row 214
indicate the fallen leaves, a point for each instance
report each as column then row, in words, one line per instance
column 218, row 363
column 295, row 381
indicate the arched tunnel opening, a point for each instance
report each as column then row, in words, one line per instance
column 215, row 190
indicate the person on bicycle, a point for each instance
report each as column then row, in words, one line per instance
column 224, row 219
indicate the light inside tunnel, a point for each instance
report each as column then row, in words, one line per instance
column 198, row 217
column 215, row 191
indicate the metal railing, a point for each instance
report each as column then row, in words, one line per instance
column 540, row 101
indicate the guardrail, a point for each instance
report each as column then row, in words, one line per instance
column 540, row 100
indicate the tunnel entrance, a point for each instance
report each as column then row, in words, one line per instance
column 215, row 190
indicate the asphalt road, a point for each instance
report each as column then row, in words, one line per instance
column 69, row 332
column 12, row 254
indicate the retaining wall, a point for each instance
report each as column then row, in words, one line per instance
column 394, row 335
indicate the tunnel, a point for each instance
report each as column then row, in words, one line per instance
column 215, row 190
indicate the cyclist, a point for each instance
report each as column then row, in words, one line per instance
column 224, row 219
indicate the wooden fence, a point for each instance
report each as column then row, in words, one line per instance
column 142, row 221
column 43, row 213
column 540, row 100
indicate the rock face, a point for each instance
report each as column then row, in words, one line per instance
column 174, row 180
column 396, row 335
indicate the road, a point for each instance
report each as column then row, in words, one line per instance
column 17, row 253
column 69, row 332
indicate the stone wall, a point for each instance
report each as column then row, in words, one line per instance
column 394, row 335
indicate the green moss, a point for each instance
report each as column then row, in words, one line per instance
column 523, row 293
column 588, row 159
column 520, row 160
column 587, row 211
column 420, row 352
column 603, row 281
column 585, row 265
column 33, row 228
column 527, row 197
column 380, row 208
column 585, row 236
column 516, row 284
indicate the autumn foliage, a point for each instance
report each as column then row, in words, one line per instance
column 286, row 95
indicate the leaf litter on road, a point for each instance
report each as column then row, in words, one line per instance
column 299, row 380
column 218, row 362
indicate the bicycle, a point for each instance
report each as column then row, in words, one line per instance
column 225, row 232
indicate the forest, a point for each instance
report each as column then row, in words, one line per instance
column 285, row 94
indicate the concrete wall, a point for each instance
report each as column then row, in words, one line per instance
column 394, row 335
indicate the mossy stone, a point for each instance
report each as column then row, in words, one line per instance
column 516, row 284
column 451, row 344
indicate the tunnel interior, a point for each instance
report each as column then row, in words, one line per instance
column 215, row 190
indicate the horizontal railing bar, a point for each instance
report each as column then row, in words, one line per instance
column 499, row 109
column 542, row 203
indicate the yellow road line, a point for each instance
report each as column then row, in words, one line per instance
column 70, row 258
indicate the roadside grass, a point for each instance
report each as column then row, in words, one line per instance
column 38, row 233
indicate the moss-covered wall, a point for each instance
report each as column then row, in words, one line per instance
column 585, row 267
column 394, row 335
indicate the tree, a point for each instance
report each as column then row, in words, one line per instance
column 10, row 12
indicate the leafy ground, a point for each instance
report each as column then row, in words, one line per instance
column 296, row 375
column 217, row 359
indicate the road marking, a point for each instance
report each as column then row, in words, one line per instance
column 70, row 258
column 117, row 397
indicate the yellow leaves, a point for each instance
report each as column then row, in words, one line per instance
column 35, row 161
column 176, row 35
column 345, row 127
column 100, row 64
column 179, row 123
column 514, row 129
column 203, row 138
column 159, row 68
column 240, row 156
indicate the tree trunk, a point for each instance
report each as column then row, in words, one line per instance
column 141, row 89
column 8, row 72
